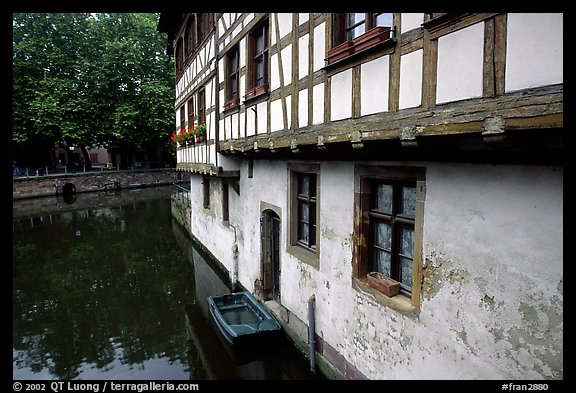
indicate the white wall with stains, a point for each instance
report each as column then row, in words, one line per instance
column 492, row 294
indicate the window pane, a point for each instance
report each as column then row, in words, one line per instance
column 355, row 32
column 355, row 17
column 384, row 19
column 382, row 235
column 406, row 271
column 303, row 185
column 407, row 242
column 303, row 212
column 259, row 72
column 409, row 201
column 383, row 198
column 303, row 232
column 382, row 262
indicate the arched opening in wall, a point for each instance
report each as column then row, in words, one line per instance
column 270, row 256
column 69, row 193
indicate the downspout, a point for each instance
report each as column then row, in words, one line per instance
column 311, row 329
column 234, row 269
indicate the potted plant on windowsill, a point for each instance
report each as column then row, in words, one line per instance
column 200, row 132
column 386, row 285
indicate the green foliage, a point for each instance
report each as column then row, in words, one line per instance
column 91, row 79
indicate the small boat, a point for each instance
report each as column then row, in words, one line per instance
column 240, row 317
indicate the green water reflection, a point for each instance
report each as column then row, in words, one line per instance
column 98, row 288
column 111, row 287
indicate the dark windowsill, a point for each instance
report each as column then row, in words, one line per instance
column 230, row 104
column 374, row 37
column 256, row 92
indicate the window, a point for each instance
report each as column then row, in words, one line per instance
column 190, row 35
column 355, row 32
column 179, row 56
column 391, row 238
column 306, row 202
column 304, row 212
column 225, row 199
column 202, row 106
column 351, row 25
column 204, row 25
column 182, row 118
column 232, row 77
column 390, row 202
column 190, row 113
column 258, row 60
column 206, row 192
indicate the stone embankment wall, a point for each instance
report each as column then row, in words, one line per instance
column 30, row 187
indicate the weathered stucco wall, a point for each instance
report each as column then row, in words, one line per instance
column 493, row 241
column 492, row 283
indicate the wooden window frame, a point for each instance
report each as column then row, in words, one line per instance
column 308, row 253
column 396, row 220
column 202, row 106
column 190, row 36
column 364, row 179
column 232, row 69
column 182, row 118
column 190, row 106
column 206, row 192
column 225, row 202
column 256, row 88
column 343, row 47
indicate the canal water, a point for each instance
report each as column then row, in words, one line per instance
column 109, row 286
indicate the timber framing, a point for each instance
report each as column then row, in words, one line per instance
column 207, row 169
column 530, row 109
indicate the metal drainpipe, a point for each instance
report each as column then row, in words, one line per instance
column 311, row 329
column 234, row 272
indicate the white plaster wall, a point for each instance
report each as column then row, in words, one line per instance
column 534, row 50
column 276, row 122
column 285, row 23
column 411, row 21
column 303, row 108
column 319, row 46
column 494, row 245
column 492, row 303
column 303, row 17
column 234, row 125
column 411, row 79
column 268, row 185
column 374, row 81
column 207, row 225
column 262, row 121
column 274, row 72
column 275, row 81
column 341, row 95
column 318, row 103
column 287, row 64
column 460, row 62
column 242, row 49
column 303, row 56
column 250, row 121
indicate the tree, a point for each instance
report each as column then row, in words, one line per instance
column 91, row 79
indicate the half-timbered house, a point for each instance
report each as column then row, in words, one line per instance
column 424, row 147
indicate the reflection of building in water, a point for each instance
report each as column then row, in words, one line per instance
column 209, row 355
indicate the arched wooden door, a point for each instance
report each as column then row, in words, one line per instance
column 270, row 256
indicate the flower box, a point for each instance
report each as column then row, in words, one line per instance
column 371, row 38
column 260, row 89
column 339, row 52
column 231, row 103
column 386, row 285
